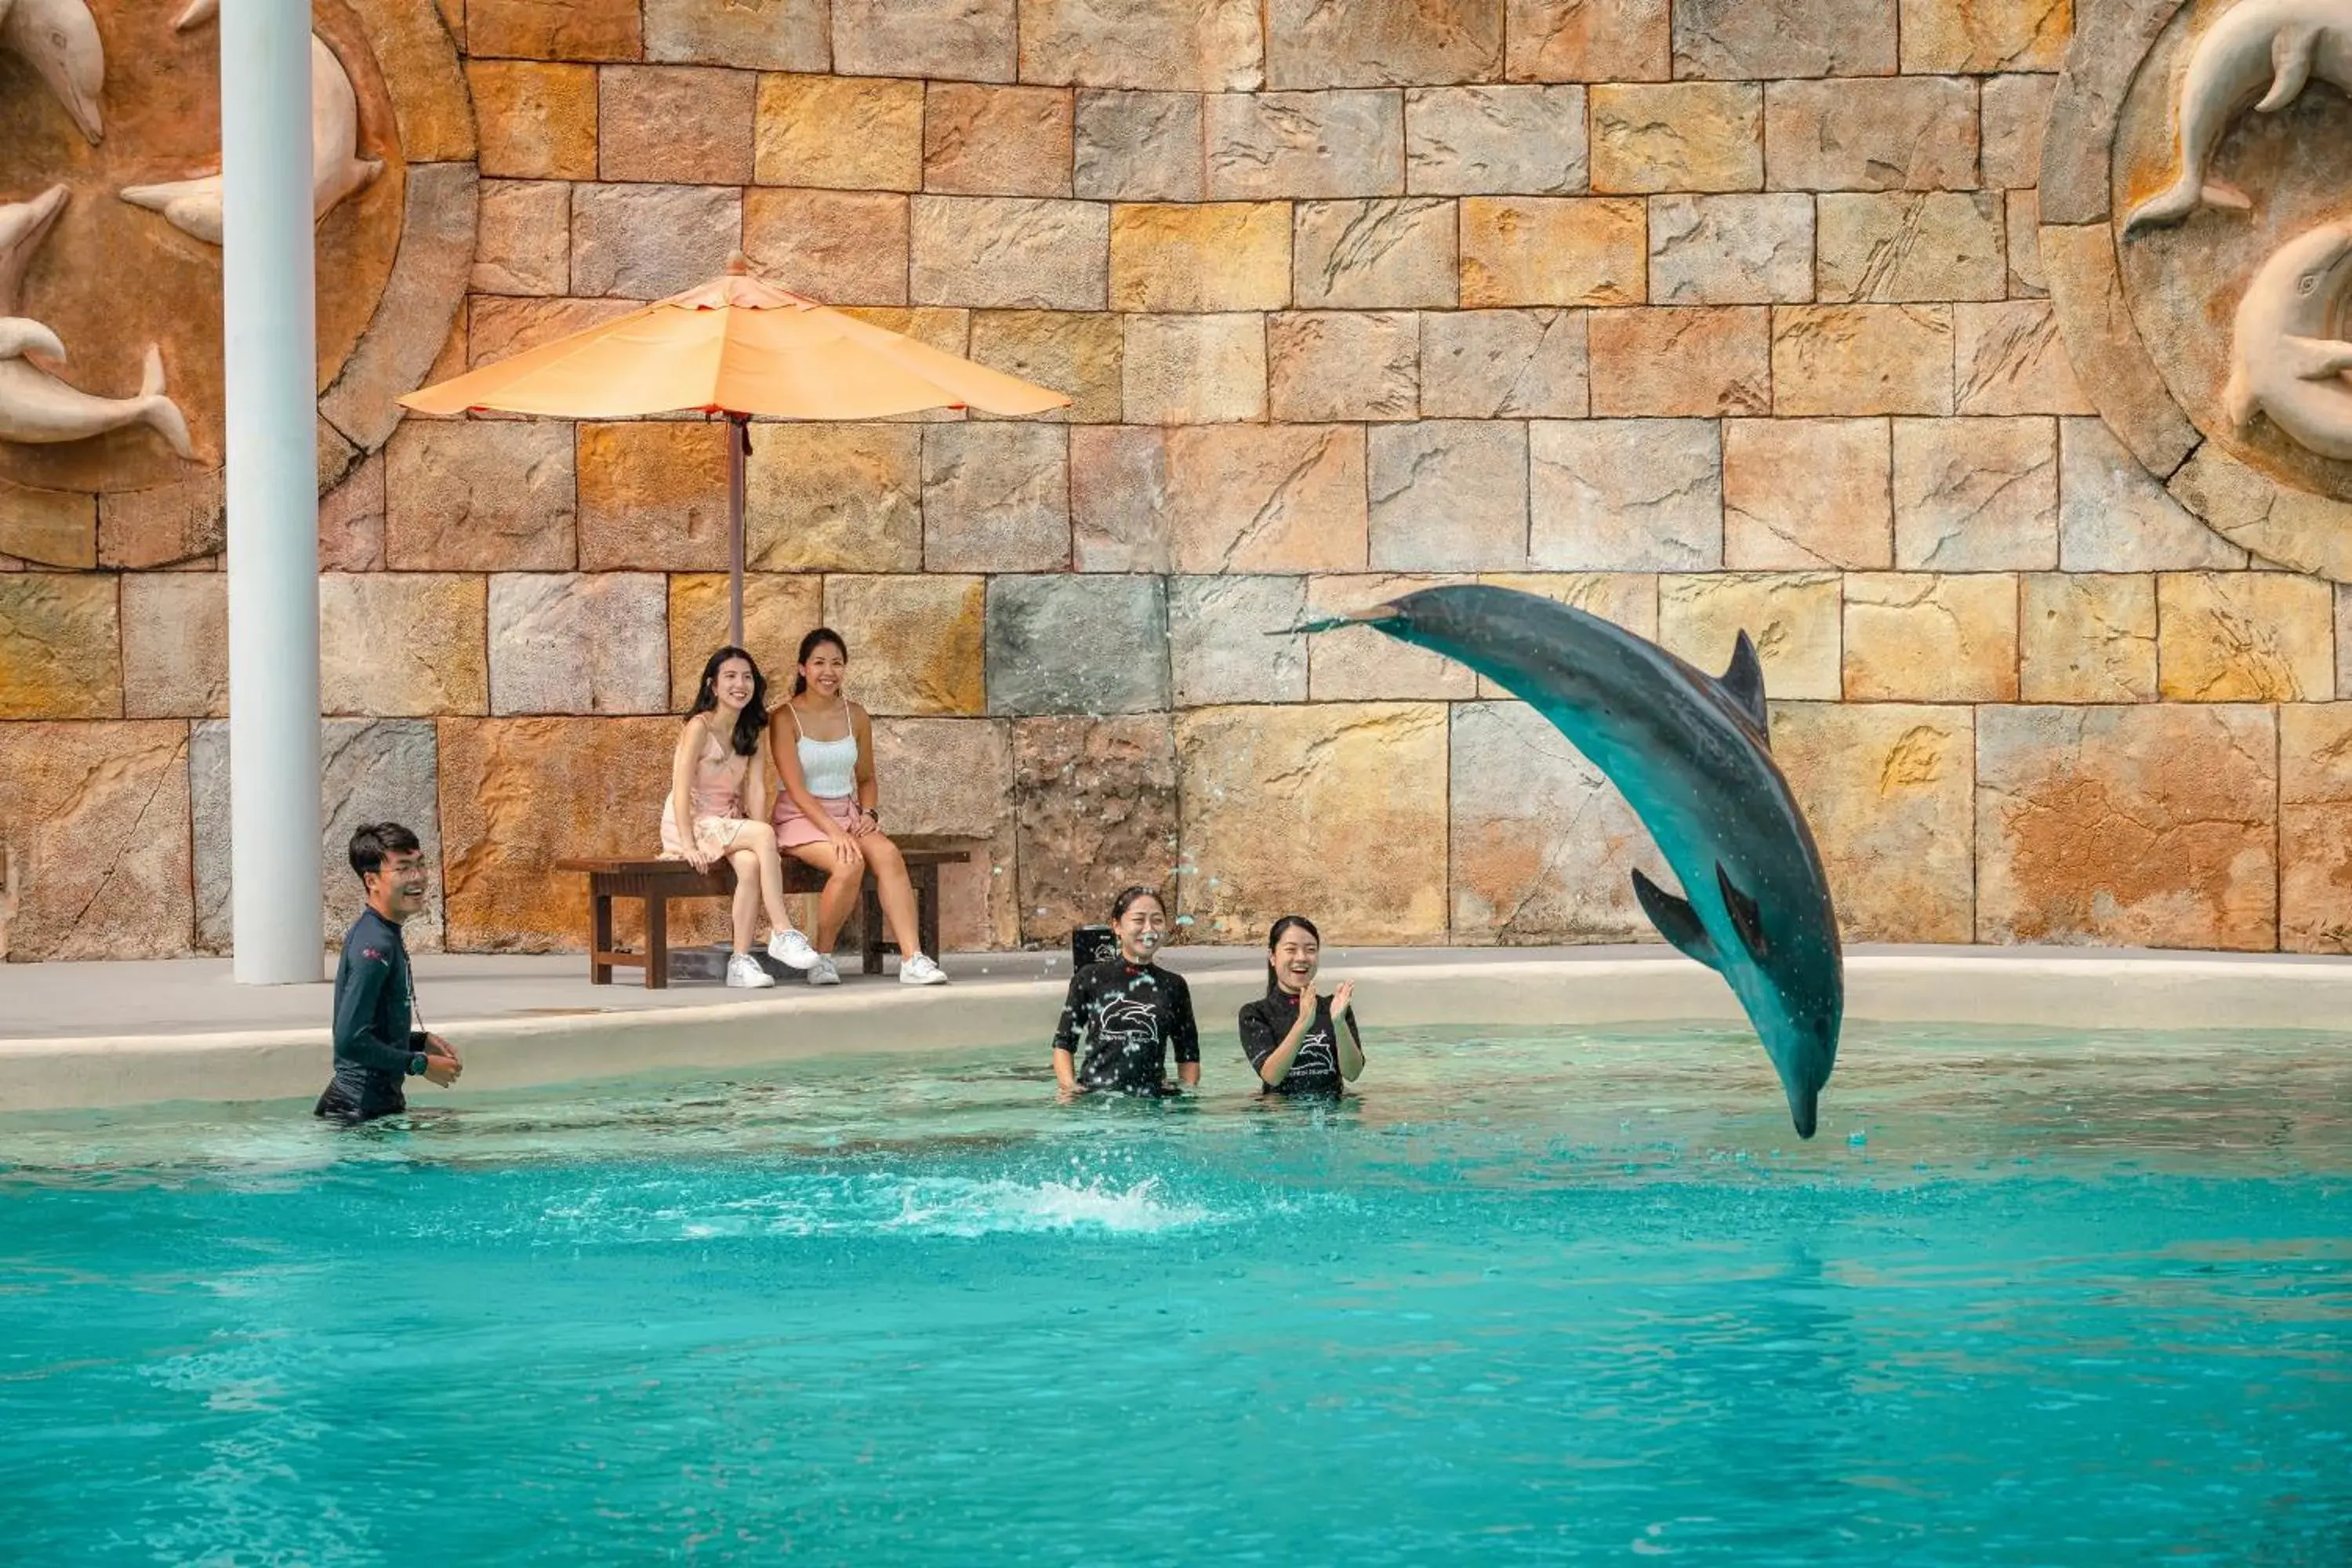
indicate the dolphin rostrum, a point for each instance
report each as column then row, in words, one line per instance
column 2260, row 52
column 2282, row 361
column 59, row 38
column 1691, row 754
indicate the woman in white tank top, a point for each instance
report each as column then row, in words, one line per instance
column 823, row 745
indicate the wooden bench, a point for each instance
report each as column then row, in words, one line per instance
column 655, row 883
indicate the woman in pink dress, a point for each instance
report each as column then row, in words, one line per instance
column 717, row 808
column 825, row 814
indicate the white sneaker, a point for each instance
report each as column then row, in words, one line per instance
column 791, row 949
column 920, row 971
column 743, row 969
column 822, row 973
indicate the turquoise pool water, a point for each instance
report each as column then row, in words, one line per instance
column 1529, row 1299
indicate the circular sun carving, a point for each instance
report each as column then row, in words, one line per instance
column 2197, row 230
column 129, row 286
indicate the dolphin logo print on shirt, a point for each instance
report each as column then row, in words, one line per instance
column 1132, row 1026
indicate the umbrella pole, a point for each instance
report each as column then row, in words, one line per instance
column 739, row 442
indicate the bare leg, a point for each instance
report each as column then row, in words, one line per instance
column 840, row 892
column 761, row 839
column 746, row 908
column 895, row 892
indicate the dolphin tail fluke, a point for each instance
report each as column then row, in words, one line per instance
column 161, row 414
column 1676, row 921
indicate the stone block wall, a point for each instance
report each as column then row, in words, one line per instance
column 1704, row 315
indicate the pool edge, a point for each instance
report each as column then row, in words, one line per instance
column 2059, row 992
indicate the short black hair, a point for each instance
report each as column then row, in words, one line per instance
column 373, row 842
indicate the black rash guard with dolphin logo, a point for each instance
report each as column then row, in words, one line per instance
column 1265, row 1023
column 1128, row 1016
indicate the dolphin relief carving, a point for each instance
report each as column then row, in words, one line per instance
column 194, row 206
column 1691, row 753
column 36, row 407
column 59, row 40
column 2282, row 363
column 2261, row 52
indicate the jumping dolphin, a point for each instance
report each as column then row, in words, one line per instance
column 337, row 171
column 59, row 38
column 36, row 407
column 2282, row 361
column 1691, row 753
column 23, row 226
column 2259, row 49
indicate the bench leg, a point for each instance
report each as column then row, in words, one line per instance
column 600, row 937
column 869, row 916
column 927, row 909
column 657, row 943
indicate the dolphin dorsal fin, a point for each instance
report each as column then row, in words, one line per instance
column 1746, row 918
column 1676, row 920
column 2293, row 49
column 1744, row 684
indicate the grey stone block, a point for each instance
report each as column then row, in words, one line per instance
column 1084, row 644
column 370, row 769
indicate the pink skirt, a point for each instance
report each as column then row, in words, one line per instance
column 795, row 828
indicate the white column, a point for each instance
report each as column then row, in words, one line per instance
column 270, row 329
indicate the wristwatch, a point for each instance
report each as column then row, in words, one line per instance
column 869, row 811
column 416, row 1063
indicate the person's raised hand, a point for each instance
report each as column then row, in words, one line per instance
column 1341, row 996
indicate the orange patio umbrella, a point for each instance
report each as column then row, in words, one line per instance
column 741, row 347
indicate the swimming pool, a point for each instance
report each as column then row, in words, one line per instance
column 1577, row 1298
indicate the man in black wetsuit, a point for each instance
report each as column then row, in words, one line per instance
column 1128, row 1011
column 377, row 1046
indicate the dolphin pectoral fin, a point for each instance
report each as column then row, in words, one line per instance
column 2292, row 50
column 1744, row 684
column 1676, row 920
column 1746, row 918
column 2219, row 194
column 2315, row 359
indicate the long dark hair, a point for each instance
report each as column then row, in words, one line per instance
column 809, row 645
column 1274, row 940
column 751, row 724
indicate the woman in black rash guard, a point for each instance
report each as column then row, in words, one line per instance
column 1128, row 1011
column 1298, row 1048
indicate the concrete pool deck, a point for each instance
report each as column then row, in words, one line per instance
column 95, row 1034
